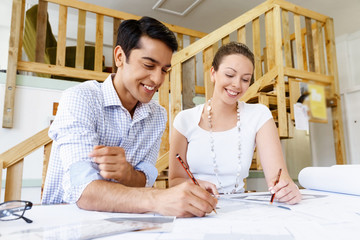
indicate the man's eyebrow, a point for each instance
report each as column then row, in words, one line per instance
column 155, row 61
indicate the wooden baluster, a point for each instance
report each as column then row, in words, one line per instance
column 310, row 44
column 188, row 79
column 180, row 41
column 116, row 24
column 208, row 56
column 269, row 35
column 164, row 101
column 80, row 44
column 47, row 151
column 298, row 42
column 241, row 35
column 14, row 181
column 41, row 27
column 61, row 43
column 175, row 90
column 294, row 87
column 98, row 66
column 256, row 48
column 225, row 40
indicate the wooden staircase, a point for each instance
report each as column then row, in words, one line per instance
column 291, row 44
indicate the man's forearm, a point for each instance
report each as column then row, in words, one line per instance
column 101, row 195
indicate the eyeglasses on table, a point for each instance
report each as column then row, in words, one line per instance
column 13, row 210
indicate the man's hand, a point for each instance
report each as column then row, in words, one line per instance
column 113, row 165
column 184, row 200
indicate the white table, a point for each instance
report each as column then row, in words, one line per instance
column 321, row 215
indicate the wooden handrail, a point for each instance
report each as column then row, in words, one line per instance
column 122, row 15
column 23, row 149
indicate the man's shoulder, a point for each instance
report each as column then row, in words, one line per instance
column 87, row 86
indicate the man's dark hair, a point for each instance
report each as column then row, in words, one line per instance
column 130, row 32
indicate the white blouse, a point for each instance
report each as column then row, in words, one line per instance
column 252, row 118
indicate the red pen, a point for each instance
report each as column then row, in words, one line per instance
column 185, row 166
column 276, row 182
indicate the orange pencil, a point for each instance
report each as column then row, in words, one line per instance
column 276, row 182
column 187, row 170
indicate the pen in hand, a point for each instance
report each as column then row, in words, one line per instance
column 187, row 170
column 276, row 182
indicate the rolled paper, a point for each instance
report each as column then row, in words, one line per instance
column 337, row 178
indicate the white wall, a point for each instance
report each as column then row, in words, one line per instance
column 348, row 54
column 5, row 19
column 33, row 111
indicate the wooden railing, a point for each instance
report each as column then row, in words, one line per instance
column 291, row 44
column 13, row 160
column 16, row 62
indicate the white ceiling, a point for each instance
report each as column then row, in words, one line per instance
column 211, row 14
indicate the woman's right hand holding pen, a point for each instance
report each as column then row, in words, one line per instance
column 286, row 191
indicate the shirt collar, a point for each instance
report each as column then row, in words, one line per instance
column 112, row 99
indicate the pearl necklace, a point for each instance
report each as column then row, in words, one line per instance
column 213, row 154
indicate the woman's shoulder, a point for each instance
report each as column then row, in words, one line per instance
column 188, row 117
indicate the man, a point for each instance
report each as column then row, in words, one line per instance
column 106, row 136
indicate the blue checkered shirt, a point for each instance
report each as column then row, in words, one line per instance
column 91, row 114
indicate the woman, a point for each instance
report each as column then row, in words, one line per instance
column 217, row 139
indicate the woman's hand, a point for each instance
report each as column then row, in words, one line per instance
column 286, row 191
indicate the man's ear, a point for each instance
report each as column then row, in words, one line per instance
column 119, row 56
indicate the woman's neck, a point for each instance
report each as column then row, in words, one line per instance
column 223, row 116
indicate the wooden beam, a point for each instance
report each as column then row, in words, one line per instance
column 164, row 102
column 175, row 89
column 8, row 113
column 123, row 15
column 305, row 76
column 21, row 150
column 300, row 10
column 221, row 32
column 338, row 127
column 61, row 71
column 280, row 81
column 162, row 162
